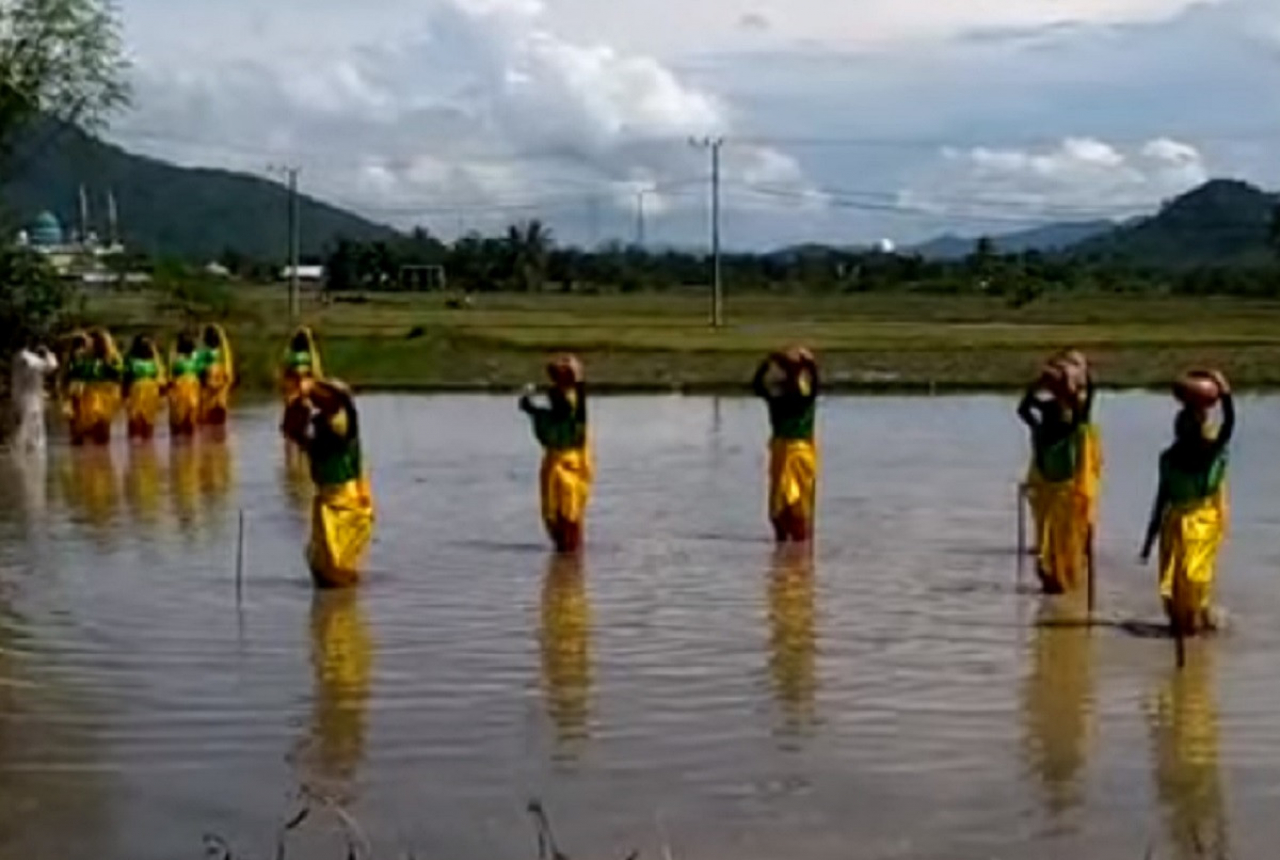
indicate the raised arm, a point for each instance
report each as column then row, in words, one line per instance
column 757, row 382
column 1228, row 414
column 1028, row 408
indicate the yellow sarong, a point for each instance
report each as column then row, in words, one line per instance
column 565, row 482
column 341, row 529
column 1090, row 477
column 142, row 407
column 93, row 410
column 1190, row 536
column 184, row 405
column 1064, row 533
column 793, row 478
column 215, row 399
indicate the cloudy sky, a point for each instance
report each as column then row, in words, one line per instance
column 843, row 121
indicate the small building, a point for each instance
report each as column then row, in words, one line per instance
column 306, row 274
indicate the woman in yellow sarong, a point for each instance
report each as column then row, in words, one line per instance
column 561, row 428
column 301, row 361
column 1064, row 477
column 342, row 511
column 77, row 373
column 1189, row 516
column 793, row 454
column 217, row 376
column 94, row 389
column 144, row 382
column 184, row 387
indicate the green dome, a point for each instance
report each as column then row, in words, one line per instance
column 46, row 231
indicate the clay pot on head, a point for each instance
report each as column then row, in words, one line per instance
column 1197, row 389
column 565, row 370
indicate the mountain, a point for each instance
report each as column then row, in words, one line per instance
column 1224, row 222
column 166, row 210
column 1049, row 237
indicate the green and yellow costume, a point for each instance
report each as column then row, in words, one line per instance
column 144, row 382
column 217, row 375
column 565, row 478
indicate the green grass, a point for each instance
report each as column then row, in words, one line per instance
column 889, row 341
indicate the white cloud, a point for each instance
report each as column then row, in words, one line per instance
column 487, row 107
column 1078, row 178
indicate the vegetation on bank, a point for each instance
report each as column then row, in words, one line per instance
column 887, row 341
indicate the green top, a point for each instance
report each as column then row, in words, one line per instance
column 1057, row 433
column 335, row 448
column 141, row 368
column 792, row 413
column 184, row 364
column 1183, row 481
column 298, row 360
column 207, row 358
column 81, row 369
column 560, row 425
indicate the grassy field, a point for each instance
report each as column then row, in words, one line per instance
column 889, row 342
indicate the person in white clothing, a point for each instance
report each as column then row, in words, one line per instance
column 31, row 366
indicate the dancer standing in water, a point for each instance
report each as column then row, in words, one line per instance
column 1063, row 478
column 342, row 511
column 184, row 387
column 94, row 387
column 561, row 428
column 217, row 376
column 793, row 455
column 144, row 382
column 32, row 365
column 1189, row 516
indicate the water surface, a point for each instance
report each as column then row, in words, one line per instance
column 894, row 695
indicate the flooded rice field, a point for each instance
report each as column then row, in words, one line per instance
column 898, row 694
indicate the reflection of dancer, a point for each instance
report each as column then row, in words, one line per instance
column 214, row 457
column 341, row 664
column 90, row 484
column 1184, row 725
column 142, row 482
column 32, row 365
column 565, row 639
column 792, row 645
column 184, row 478
column 1056, row 706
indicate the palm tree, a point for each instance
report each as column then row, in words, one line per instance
column 528, row 247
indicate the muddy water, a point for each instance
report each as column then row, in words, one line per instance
column 895, row 695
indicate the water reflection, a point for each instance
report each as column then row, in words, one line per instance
column 28, row 473
column 142, row 482
column 214, row 455
column 792, row 640
column 90, row 486
column 565, row 639
column 341, row 665
column 1183, row 719
column 184, row 483
column 1057, row 704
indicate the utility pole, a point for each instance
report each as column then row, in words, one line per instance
column 291, row 173
column 713, row 144
column 640, row 217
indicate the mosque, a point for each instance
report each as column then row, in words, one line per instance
column 80, row 255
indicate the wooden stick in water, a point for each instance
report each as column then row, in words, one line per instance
column 1092, row 570
column 1021, row 497
column 240, row 558
column 1179, row 635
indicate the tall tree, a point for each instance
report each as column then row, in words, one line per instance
column 61, row 63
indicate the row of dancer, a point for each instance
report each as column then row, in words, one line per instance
column 321, row 418
column 96, row 382
column 1189, row 515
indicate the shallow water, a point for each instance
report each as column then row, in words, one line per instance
column 892, row 697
